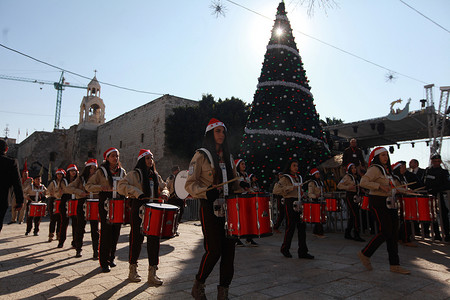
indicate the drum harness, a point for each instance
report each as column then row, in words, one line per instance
column 357, row 198
column 391, row 203
column 37, row 191
column 219, row 203
column 297, row 204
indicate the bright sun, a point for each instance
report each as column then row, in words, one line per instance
column 279, row 31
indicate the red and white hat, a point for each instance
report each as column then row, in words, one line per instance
column 109, row 151
column 91, row 162
column 144, row 152
column 237, row 162
column 61, row 171
column 72, row 167
column 349, row 167
column 396, row 165
column 375, row 152
column 213, row 123
column 313, row 171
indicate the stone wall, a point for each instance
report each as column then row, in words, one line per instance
column 142, row 128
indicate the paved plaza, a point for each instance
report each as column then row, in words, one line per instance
column 32, row 268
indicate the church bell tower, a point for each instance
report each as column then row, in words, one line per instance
column 92, row 108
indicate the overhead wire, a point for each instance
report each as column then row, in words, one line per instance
column 79, row 75
column 429, row 19
column 334, row 47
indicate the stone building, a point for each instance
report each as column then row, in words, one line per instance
column 143, row 127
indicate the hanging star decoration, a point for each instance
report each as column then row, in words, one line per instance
column 390, row 76
column 218, row 8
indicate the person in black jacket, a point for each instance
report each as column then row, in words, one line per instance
column 354, row 155
column 436, row 182
column 9, row 177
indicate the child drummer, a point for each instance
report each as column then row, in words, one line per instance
column 143, row 185
column 55, row 191
column 103, row 182
column 34, row 193
column 290, row 188
column 77, row 187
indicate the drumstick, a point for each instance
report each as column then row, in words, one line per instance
column 418, row 189
column 153, row 199
column 221, row 184
column 403, row 185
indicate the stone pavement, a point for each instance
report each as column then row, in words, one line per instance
column 32, row 268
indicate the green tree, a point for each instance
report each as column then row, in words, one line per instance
column 185, row 128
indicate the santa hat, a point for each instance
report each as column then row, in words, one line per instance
column 61, row 171
column 252, row 175
column 237, row 162
column 91, row 162
column 109, row 151
column 213, row 123
column 375, row 152
column 72, row 167
column 349, row 166
column 396, row 165
column 144, row 152
column 313, row 171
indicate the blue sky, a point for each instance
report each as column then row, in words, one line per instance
column 180, row 48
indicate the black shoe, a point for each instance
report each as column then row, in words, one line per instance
column 286, row 253
column 306, row 256
column 251, row 243
column 26, row 233
column 438, row 238
column 112, row 264
column 239, row 243
column 36, row 233
column 60, row 245
column 78, row 254
column 106, row 269
column 11, row 222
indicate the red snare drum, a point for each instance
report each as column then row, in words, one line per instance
column 37, row 209
column 115, row 211
column 56, row 205
column 314, row 212
column 332, row 204
column 91, row 210
column 248, row 215
column 159, row 219
column 410, row 212
column 72, row 207
column 365, row 203
column 425, row 208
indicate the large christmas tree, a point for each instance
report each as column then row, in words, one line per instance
column 283, row 123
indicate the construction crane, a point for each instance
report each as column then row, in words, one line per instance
column 437, row 119
column 59, row 86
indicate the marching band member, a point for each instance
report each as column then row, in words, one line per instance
column 280, row 204
column 350, row 184
column 437, row 182
column 245, row 185
column 72, row 171
column 55, row 191
column 210, row 166
column 173, row 198
column 35, row 192
column 143, row 185
column 404, row 231
column 315, row 192
column 290, row 187
column 378, row 179
column 102, row 182
column 77, row 187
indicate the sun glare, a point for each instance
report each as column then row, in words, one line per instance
column 279, row 31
